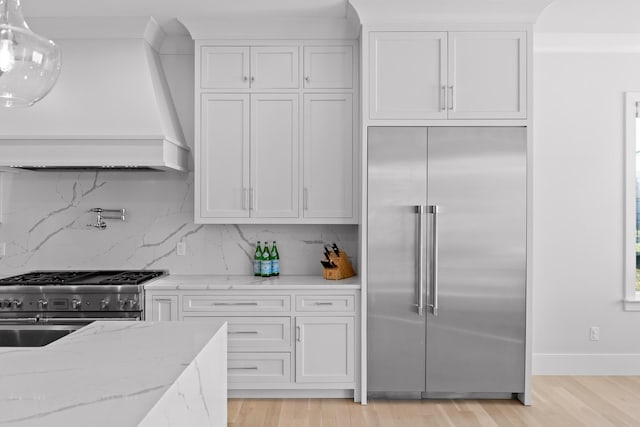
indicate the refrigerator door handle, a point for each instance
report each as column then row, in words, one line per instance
column 434, row 210
column 420, row 210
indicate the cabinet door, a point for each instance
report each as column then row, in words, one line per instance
column 487, row 75
column 223, row 67
column 324, row 349
column 274, row 67
column 164, row 307
column 328, row 67
column 328, row 156
column 407, row 75
column 274, row 156
column 224, row 156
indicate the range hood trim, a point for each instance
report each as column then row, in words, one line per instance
column 91, row 152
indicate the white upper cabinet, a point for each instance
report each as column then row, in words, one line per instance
column 274, row 155
column 487, row 75
column 328, row 156
column 261, row 155
column 257, row 67
column 274, row 67
column 422, row 75
column 223, row 67
column 223, row 153
column 407, row 75
column 328, row 67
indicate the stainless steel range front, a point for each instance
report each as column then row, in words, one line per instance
column 39, row 307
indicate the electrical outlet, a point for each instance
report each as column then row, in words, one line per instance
column 594, row 333
column 181, row 248
column 3, row 249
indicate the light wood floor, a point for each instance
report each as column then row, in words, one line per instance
column 557, row 402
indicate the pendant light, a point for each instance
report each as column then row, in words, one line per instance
column 29, row 63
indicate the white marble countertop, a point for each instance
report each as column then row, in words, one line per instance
column 220, row 282
column 114, row 373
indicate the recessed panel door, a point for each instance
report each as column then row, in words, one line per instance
column 274, row 156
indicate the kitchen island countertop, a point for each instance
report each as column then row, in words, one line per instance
column 115, row 373
column 240, row 282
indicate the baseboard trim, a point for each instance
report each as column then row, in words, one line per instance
column 586, row 364
column 290, row 394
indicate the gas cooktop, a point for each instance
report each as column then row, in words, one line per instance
column 88, row 277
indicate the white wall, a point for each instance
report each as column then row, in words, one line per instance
column 45, row 218
column 578, row 193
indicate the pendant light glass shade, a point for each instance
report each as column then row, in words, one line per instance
column 29, row 63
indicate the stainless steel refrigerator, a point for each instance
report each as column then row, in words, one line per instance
column 446, row 261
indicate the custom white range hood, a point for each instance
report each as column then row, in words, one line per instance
column 111, row 107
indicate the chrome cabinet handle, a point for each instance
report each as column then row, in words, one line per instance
column 253, row 79
column 307, row 79
column 235, row 303
column 299, row 333
column 245, row 198
column 323, row 303
column 245, row 78
column 305, row 199
column 443, row 98
column 241, row 332
column 451, row 98
column 435, row 210
column 251, row 197
column 252, row 368
column 420, row 261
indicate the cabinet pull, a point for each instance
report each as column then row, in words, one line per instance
column 252, row 368
column 305, row 199
column 241, row 332
column 299, row 333
column 245, row 198
column 245, row 78
column 443, row 98
column 324, row 303
column 251, row 197
column 253, row 79
column 235, row 303
column 307, row 79
column 451, row 98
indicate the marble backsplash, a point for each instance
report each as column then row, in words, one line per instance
column 45, row 217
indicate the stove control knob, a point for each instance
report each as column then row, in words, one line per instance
column 104, row 304
column 6, row 303
column 17, row 303
column 42, row 304
column 132, row 304
column 76, row 304
column 122, row 303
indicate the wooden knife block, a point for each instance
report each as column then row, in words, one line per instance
column 343, row 267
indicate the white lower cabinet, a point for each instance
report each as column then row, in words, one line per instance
column 324, row 349
column 277, row 340
column 163, row 307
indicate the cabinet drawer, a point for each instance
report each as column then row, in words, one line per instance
column 258, row 368
column 329, row 303
column 250, row 333
column 227, row 303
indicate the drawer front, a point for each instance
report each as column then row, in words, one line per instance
column 229, row 303
column 326, row 303
column 250, row 333
column 245, row 368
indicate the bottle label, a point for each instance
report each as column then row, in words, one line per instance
column 256, row 266
column 265, row 268
column 275, row 266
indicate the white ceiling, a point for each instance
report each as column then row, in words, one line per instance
column 165, row 11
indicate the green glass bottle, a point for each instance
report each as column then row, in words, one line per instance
column 265, row 262
column 257, row 259
column 275, row 260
